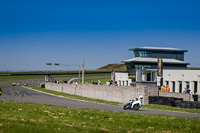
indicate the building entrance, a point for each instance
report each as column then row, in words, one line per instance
column 195, row 87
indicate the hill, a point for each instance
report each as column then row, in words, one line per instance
column 194, row 68
column 122, row 67
column 116, row 67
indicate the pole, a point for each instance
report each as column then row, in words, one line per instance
column 79, row 66
column 83, row 71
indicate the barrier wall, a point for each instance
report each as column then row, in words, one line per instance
column 104, row 92
column 120, row 94
column 186, row 97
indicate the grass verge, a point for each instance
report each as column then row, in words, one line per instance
column 168, row 108
column 25, row 77
column 28, row 117
column 5, row 84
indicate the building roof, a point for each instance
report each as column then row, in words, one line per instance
column 159, row 49
column 154, row 60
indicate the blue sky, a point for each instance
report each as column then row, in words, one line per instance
column 101, row 31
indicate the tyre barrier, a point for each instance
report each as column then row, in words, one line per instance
column 174, row 102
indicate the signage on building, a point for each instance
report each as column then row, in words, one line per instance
column 160, row 67
column 113, row 73
column 131, row 76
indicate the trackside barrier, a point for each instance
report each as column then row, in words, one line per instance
column 120, row 94
column 174, row 102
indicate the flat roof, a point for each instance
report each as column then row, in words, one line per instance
column 154, row 60
column 159, row 49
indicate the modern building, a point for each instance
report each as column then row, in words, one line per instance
column 142, row 69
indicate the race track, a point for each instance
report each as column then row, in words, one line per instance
column 22, row 94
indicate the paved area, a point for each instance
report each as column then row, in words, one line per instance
column 21, row 94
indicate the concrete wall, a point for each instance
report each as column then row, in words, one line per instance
column 120, row 94
column 110, row 93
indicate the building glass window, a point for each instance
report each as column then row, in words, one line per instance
column 143, row 53
column 136, row 53
column 142, row 67
column 173, row 86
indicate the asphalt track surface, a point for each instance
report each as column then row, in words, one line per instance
column 22, row 94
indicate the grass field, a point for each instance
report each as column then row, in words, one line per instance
column 52, row 72
column 27, row 117
column 168, row 108
column 25, row 77
column 21, row 77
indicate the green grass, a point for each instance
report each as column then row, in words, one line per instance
column 18, row 117
column 25, row 77
column 53, row 72
column 103, row 80
column 168, row 108
column 116, row 67
column 85, row 75
column 5, row 84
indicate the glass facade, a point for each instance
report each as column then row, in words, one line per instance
column 142, row 71
column 142, row 67
column 143, row 53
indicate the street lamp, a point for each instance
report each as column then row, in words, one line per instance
column 56, row 64
column 49, row 64
column 83, row 71
column 79, row 65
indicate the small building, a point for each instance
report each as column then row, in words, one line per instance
column 142, row 69
column 123, row 79
column 178, row 80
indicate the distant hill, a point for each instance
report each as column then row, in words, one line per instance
column 116, row 67
column 122, row 67
column 194, row 68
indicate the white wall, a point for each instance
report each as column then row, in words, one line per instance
column 184, row 76
column 122, row 79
